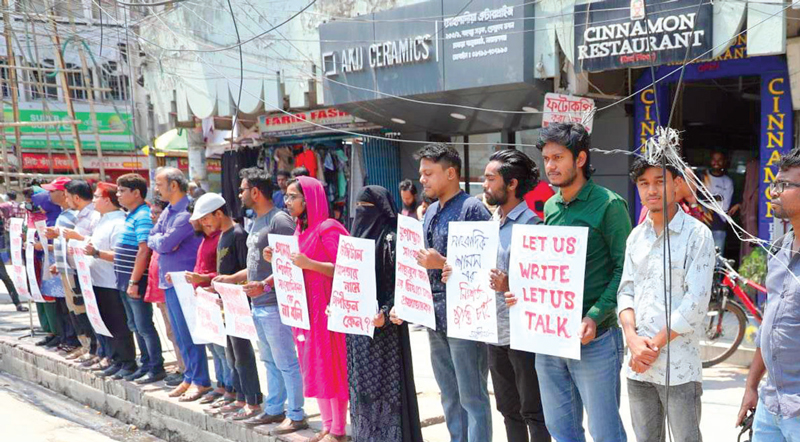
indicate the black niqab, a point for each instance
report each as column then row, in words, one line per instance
column 372, row 222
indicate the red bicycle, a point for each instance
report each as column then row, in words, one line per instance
column 726, row 321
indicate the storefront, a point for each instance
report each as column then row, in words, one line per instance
column 114, row 165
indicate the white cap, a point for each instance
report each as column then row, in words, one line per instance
column 206, row 204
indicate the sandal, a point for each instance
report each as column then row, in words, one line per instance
column 194, row 393
column 223, row 401
column 180, row 389
column 318, row 437
column 225, row 409
column 210, row 397
column 332, row 438
column 244, row 414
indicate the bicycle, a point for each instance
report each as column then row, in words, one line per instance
column 726, row 320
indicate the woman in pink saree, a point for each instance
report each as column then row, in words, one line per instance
column 322, row 354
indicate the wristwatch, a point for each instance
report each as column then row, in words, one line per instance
column 96, row 253
column 132, row 283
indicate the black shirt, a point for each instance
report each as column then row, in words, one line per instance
column 232, row 251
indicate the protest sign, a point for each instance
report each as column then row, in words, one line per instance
column 41, row 229
column 238, row 317
column 87, row 291
column 290, row 287
column 413, row 300
column 18, row 274
column 208, row 317
column 471, row 304
column 185, row 293
column 546, row 275
column 354, row 296
column 30, row 267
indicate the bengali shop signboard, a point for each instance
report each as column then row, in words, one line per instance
column 62, row 162
column 413, row 299
column 560, row 108
column 319, row 120
column 546, row 275
column 354, row 296
column 290, row 287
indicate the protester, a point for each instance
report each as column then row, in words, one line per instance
column 50, row 284
column 642, row 312
column 777, row 405
column 383, row 396
column 284, row 401
column 461, row 367
column 40, row 209
column 567, row 385
column 322, row 353
column 8, row 210
column 174, row 240
column 282, row 178
column 131, row 256
column 408, row 196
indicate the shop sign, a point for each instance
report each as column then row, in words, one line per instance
column 212, row 165
column 61, row 162
column 776, row 141
column 281, row 125
column 560, row 108
column 607, row 38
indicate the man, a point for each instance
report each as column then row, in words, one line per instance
column 461, row 367
column 408, row 195
column 174, row 240
column 777, row 416
column 275, row 343
column 642, row 312
column 568, row 385
column 131, row 257
column 283, row 183
column 100, row 246
column 10, row 210
column 720, row 186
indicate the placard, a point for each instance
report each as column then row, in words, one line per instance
column 30, row 267
column 413, row 300
column 546, row 275
column 471, row 301
column 87, row 291
column 354, row 298
column 238, row 317
column 290, row 287
column 209, row 318
column 186, row 298
column 18, row 274
column 41, row 229
column 560, row 108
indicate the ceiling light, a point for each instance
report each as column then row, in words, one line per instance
column 531, row 110
column 458, row 116
column 399, row 120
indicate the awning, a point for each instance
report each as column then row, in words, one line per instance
column 171, row 141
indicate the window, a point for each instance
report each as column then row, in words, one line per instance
column 42, row 84
column 113, row 79
column 481, row 147
column 76, row 84
column 4, row 74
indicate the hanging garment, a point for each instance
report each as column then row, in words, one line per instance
column 307, row 159
column 283, row 155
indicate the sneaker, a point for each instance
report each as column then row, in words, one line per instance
column 21, row 308
column 122, row 374
column 174, row 379
column 136, row 374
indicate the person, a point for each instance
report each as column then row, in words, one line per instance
column 212, row 213
column 777, row 405
column 300, row 171
column 423, row 206
column 282, row 178
column 50, row 285
column 383, row 404
column 642, row 313
column 284, row 402
column 408, row 196
column 720, row 185
column 685, row 198
column 39, row 209
column 460, row 367
column 322, row 353
column 538, row 196
column 131, row 256
column 174, row 240
column 568, row 386
column 8, row 210
column 100, row 247
column 508, row 179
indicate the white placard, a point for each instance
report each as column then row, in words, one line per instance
column 471, row 302
column 186, row 298
column 238, row 317
column 18, row 274
column 30, row 267
column 87, row 291
column 560, row 108
column 290, row 287
column 413, row 300
column 209, row 318
column 41, row 229
column 546, row 275
column 354, row 298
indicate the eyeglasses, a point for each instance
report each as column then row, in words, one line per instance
column 778, row 187
column 289, row 198
column 244, row 189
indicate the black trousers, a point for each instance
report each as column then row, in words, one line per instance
column 69, row 336
column 242, row 358
column 6, row 278
column 123, row 351
column 516, row 390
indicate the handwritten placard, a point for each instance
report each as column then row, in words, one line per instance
column 290, row 287
column 471, row 304
column 18, row 274
column 186, row 298
column 546, row 275
column 30, row 267
column 354, row 296
column 238, row 317
column 87, row 291
column 208, row 317
column 41, row 228
column 413, row 299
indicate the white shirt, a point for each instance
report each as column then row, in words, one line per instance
column 104, row 237
column 642, row 289
column 721, row 186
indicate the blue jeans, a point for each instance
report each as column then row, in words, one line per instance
column 221, row 367
column 140, row 321
column 568, row 386
column 768, row 427
column 276, row 349
column 461, row 369
column 194, row 356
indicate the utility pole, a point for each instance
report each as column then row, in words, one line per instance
column 13, row 90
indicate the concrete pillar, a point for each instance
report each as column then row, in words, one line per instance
column 197, row 158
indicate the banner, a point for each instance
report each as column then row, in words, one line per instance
column 87, row 291
column 238, row 317
column 208, row 317
column 546, row 275
column 560, row 108
column 354, row 297
column 186, row 298
column 30, row 267
column 18, row 275
column 413, row 300
column 471, row 301
column 290, row 287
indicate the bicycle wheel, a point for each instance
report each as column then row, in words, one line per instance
column 724, row 331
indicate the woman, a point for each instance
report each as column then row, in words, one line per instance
column 383, row 399
column 322, row 354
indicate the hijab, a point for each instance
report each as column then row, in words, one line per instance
column 371, row 221
column 316, row 215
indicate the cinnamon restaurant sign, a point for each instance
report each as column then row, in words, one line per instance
column 606, row 37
